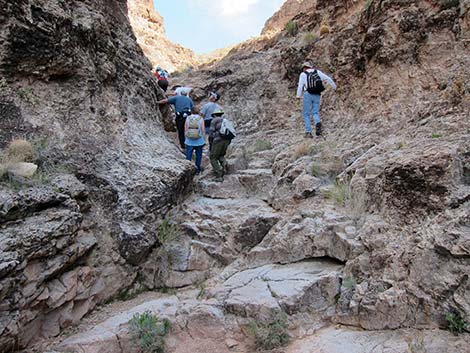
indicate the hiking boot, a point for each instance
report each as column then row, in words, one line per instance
column 318, row 129
column 308, row 135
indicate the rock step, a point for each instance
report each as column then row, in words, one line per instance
column 309, row 286
column 244, row 183
column 347, row 340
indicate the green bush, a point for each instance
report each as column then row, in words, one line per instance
column 448, row 4
column 270, row 334
column 350, row 283
column 339, row 193
column 317, row 170
column 355, row 201
column 292, row 28
column 3, row 83
column 455, row 323
column 27, row 94
column 309, row 38
column 167, row 232
column 148, row 332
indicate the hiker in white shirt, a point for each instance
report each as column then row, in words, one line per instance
column 310, row 88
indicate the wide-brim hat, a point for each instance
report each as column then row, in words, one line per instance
column 307, row 64
column 217, row 112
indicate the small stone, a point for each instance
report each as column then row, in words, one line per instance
column 231, row 343
column 22, row 169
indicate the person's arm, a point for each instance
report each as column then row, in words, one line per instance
column 203, row 128
column 163, row 101
column 302, row 82
column 186, row 125
column 327, row 78
column 204, row 111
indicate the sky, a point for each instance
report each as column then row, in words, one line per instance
column 206, row 25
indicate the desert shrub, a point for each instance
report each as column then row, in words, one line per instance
column 3, row 83
column 436, row 136
column 448, row 4
column 355, row 201
column 304, row 149
column 324, row 29
column 262, row 145
column 148, row 332
column 457, row 90
column 271, row 333
column 19, row 150
column 316, row 170
column 339, row 193
column 455, row 323
column 292, row 28
column 27, row 94
column 309, row 38
column 350, row 283
column 167, row 232
column 367, row 5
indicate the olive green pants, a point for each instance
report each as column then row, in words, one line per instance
column 217, row 156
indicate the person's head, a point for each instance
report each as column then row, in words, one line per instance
column 307, row 65
column 217, row 113
column 214, row 96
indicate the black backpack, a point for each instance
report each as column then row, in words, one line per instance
column 314, row 83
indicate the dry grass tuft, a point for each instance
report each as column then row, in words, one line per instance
column 309, row 38
column 353, row 200
column 19, row 150
column 304, row 149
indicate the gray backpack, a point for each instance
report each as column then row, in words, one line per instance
column 194, row 127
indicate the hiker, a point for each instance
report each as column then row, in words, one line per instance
column 162, row 78
column 178, row 90
column 194, row 132
column 220, row 135
column 183, row 108
column 311, row 86
column 209, row 108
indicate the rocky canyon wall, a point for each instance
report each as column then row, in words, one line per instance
column 287, row 12
column 149, row 30
column 76, row 84
column 396, row 130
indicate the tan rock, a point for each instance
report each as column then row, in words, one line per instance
column 22, row 169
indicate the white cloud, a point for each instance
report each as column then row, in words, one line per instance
column 232, row 8
column 235, row 20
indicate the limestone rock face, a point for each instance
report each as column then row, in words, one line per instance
column 149, row 30
column 289, row 9
column 386, row 190
column 74, row 80
column 366, row 226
